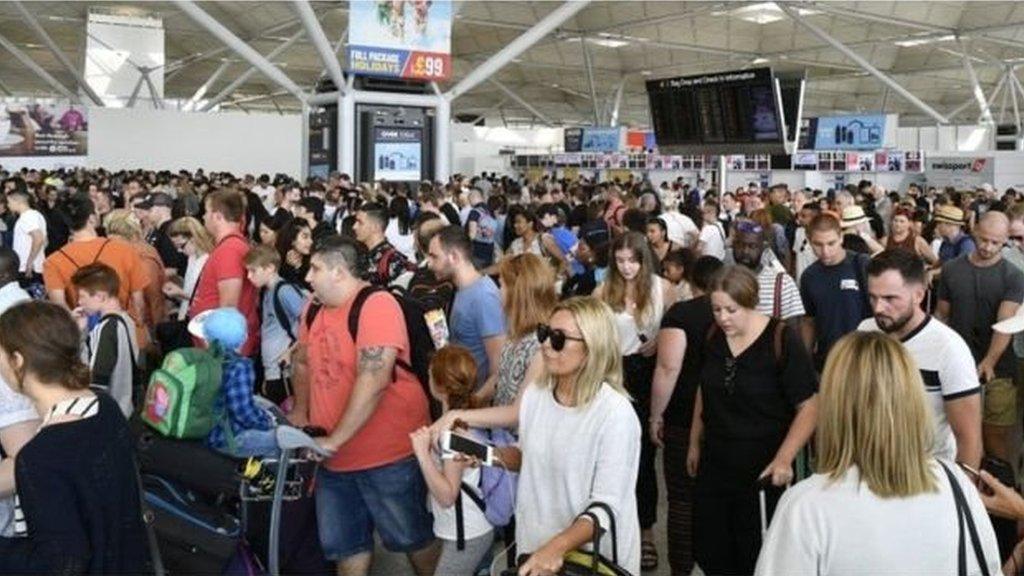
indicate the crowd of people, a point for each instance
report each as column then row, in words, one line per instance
column 857, row 346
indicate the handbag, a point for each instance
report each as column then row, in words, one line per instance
column 593, row 563
column 963, row 516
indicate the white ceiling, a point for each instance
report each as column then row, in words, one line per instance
column 659, row 39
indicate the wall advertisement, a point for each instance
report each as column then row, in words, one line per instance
column 39, row 129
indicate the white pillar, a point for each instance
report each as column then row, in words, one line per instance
column 305, row 142
column 442, row 139
column 347, row 134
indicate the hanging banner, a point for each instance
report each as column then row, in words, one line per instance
column 603, row 139
column 36, row 129
column 408, row 39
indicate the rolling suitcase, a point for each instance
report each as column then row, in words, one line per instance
column 195, row 537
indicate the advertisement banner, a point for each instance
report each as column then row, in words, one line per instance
column 602, row 139
column 862, row 132
column 37, row 129
column 397, row 154
column 408, row 39
column 961, row 172
column 572, row 139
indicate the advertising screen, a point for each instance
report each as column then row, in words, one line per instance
column 397, row 154
column 399, row 39
column 37, row 129
column 862, row 132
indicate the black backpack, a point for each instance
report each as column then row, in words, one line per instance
column 421, row 344
column 429, row 292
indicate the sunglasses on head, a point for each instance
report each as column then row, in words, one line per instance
column 558, row 337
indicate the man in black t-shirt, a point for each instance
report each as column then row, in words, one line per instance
column 833, row 288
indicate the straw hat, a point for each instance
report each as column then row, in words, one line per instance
column 949, row 215
column 853, row 216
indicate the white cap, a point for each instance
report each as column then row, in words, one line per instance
column 1011, row 325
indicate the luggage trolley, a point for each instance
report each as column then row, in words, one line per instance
column 290, row 482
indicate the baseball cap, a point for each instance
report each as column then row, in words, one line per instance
column 156, row 199
column 223, row 326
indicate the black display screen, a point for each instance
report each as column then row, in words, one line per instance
column 730, row 108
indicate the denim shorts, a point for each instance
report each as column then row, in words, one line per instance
column 391, row 498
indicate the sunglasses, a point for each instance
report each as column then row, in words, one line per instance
column 558, row 337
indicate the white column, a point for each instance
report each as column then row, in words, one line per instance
column 305, row 142
column 442, row 139
column 347, row 134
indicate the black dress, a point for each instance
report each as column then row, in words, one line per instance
column 749, row 402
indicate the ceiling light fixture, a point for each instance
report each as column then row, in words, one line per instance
column 911, row 42
column 763, row 13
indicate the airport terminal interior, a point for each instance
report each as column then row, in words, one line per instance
column 511, row 288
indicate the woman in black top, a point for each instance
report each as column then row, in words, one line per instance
column 674, row 390
column 755, row 411
column 77, row 504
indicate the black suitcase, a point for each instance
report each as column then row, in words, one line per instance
column 186, row 462
column 194, row 536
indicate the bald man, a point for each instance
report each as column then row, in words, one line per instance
column 977, row 290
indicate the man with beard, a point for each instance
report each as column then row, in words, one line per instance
column 778, row 295
column 977, row 290
column 896, row 286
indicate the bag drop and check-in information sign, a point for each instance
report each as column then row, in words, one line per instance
column 409, row 39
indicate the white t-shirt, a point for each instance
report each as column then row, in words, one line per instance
column 804, row 253
column 947, row 369
column 712, row 237
column 473, row 520
column 266, row 195
column 404, row 243
column 837, row 528
column 29, row 221
column 572, row 458
column 14, row 408
column 680, row 228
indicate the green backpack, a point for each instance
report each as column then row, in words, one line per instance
column 181, row 394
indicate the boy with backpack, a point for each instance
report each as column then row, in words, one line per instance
column 110, row 347
column 280, row 307
column 240, row 426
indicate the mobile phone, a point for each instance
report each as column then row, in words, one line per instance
column 451, row 443
column 971, row 473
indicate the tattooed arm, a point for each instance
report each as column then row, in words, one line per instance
column 373, row 375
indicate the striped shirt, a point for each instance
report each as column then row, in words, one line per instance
column 790, row 304
column 80, row 406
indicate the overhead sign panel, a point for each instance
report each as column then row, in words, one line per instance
column 400, row 39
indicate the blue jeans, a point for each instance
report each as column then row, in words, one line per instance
column 391, row 498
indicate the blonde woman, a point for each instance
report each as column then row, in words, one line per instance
column 580, row 441
column 124, row 225
column 191, row 238
column 527, row 285
column 880, row 503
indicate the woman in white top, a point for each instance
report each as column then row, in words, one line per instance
column 452, row 381
column 880, row 503
column 399, row 229
column 639, row 298
column 190, row 237
column 580, row 442
column 527, row 237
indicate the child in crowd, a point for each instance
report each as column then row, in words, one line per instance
column 246, row 429
column 281, row 306
column 676, row 269
column 110, row 348
column 452, row 381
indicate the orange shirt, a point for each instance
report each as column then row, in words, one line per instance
column 402, row 408
column 119, row 255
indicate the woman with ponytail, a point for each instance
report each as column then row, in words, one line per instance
column 452, row 381
column 77, row 497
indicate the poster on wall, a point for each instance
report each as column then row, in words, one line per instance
column 961, row 172
column 805, row 161
column 37, row 129
column 572, row 139
column 861, row 132
column 913, row 161
column 408, row 39
column 397, row 154
column 602, row 139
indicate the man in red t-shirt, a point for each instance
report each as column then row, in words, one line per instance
column 368, row 406
column 222, row 282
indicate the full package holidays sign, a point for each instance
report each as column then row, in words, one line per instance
column 413, row 65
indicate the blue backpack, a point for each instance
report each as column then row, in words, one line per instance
column 496, row 493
